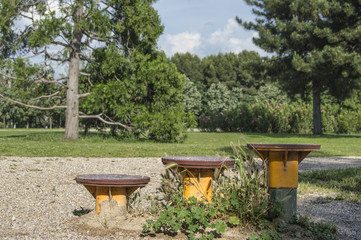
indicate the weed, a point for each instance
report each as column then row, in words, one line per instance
column 265, row 235
column 319, row 231
column 243, row 192
column 134, row 202
column 194, row 218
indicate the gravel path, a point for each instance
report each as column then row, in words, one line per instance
column 38, row 195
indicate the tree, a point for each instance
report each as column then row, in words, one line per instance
column 190, row 65
column 251, row 71
column 317, row 44
column 59, row 34
column 192, row 98
column 218, row 98
column 145, row 94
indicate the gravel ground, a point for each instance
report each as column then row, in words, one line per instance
column 38, row 195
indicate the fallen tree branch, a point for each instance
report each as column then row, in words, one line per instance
column 99, row 117
column 32, row 106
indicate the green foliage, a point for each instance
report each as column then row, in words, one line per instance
column 271, row 92
column 242, row 195
column 289, row 117
column 192, row 98
column 148, row 97
column 262, row 117
column 191, row 217
column 246, row 70
column 128, row 82
column 318, row 231
column 217, row 98
column 316, row 45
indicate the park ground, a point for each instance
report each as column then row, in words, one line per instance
column 41, row 194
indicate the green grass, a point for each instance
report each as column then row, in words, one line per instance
column 338, row 184
column 47, row 143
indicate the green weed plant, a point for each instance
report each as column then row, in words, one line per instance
column 239, row 198
column 242, row 196
column 196, row 219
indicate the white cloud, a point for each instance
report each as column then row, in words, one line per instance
column 182, row 42
column 223, row 35
column 230, row 38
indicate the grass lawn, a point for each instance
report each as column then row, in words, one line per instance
column 47, row 143
column 337, row 183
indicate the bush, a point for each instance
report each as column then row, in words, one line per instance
column 273, row 117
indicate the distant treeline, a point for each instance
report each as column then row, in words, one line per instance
column 236, row 92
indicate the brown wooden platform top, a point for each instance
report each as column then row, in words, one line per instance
column 199, row 161
column 112, row 180
column 283, row 147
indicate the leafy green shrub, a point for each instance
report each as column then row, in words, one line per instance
column 270, row 117
column 273, row 117
column 193, row 218
column 196, row 219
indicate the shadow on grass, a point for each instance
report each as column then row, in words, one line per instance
column 346, row 180
column 14, row 136
column 58, row 136
column 301, row 136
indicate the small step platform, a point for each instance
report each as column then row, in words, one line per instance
column 111, row 186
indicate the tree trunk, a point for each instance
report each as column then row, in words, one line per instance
column 72, row 98
column 4, row 121
column 317, row 120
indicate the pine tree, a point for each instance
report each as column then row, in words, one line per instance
column 317, row 46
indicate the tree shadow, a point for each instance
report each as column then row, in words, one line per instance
column 311, row 136
column 346, row 180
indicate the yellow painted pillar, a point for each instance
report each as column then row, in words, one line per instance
column 119, row 194
column 101, row 194
column 198, row 184
column 283, row 169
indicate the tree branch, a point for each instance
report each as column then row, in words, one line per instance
column 9, row 76
column 83, row 95
column 99, row 117
column 87, row 75
column 54, row 81
column 84, row 58
column 61, row 44
column 46, row 96
column 31, row 106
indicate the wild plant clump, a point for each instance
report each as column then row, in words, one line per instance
column 196, row 219
column 239, row 197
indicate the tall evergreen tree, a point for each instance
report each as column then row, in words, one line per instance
column 317, row 43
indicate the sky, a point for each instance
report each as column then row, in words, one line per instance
column 205, row 27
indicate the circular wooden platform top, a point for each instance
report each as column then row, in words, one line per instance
column 112, row 180
column 283, row 147
column 199, row 161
